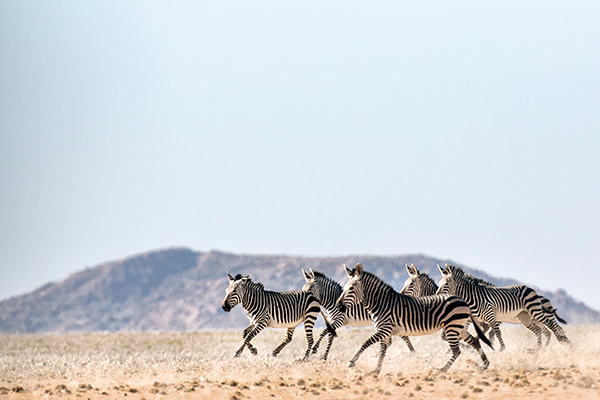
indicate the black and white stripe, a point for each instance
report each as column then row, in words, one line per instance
column 327, row 291
column 395, row 314
column 272, row 309
column 492, row 305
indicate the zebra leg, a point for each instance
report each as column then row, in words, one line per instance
column 452, row 338
column 545, row 331
column 526, row 320
column 321, row 336
column 249, row 345
column 485, row 328
column 557, row 330
column 496, row 330
column 383, row 345
column 489, row 318
column 329, row 343
column 537, row 312
column 338, row 322
column 249, row 336
column 474, row 342
column 376, row 337
column 288, row 338
column 309, row 323
column 408, row 343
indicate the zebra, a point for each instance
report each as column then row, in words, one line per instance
column 420, row 284
column 272, row 309
column 547, row 307
column 396, row 314
column 491, row 305
column 327, row 291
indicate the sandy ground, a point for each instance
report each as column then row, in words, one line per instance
column 198, row 365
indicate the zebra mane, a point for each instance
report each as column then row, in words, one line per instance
column 374, row 277
column 328, row 279
column 458, row 272
column 478, row 281
column 255, row 285
column 427, row 277
column 250, row 283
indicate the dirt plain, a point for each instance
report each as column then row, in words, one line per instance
column 199, row 365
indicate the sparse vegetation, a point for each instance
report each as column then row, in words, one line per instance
column 199, row 365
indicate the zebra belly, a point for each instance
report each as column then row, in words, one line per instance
column 403, row 331
column 508, row 316
column 276, row 324
column 349, row 321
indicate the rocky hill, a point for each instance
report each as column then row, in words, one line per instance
column 181, row 289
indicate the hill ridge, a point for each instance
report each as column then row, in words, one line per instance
column 181, row 289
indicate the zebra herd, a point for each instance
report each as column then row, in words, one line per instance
column 422, row 307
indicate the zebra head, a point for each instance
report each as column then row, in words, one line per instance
column 233, row 292
column 447, row 284
column 353, row 291
column 410, row 285
column 311, row 284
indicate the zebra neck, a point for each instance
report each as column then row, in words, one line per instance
column 328, row 300
column 465, row 290
column 253, row 300
column 375, row 297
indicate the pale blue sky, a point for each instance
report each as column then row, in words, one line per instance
column 460, row 130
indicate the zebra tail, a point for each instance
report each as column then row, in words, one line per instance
column 562, row 321
column 480, row 333
column 330, row 327
column 552, row 310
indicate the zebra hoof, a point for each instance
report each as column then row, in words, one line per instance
column 314, row 350
column 253, row 351
column 351, row 364
column 274, row 354
column 236, row 354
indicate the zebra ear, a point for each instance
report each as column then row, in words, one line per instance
column 414, row 269
column 230, row 277
column 306, row 275
column 349, row 272
column 358, row 270
column 442, row 270
column 408, row 269
column 312, row 273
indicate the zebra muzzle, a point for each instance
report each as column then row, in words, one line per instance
column 226, row 307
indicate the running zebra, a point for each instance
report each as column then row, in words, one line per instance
column 399, row 315
column 549, row 311
column 420, row 284
column 327, row 291
column 491, row 305
column 272, row 309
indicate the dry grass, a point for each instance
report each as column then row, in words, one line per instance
column 199, row 365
